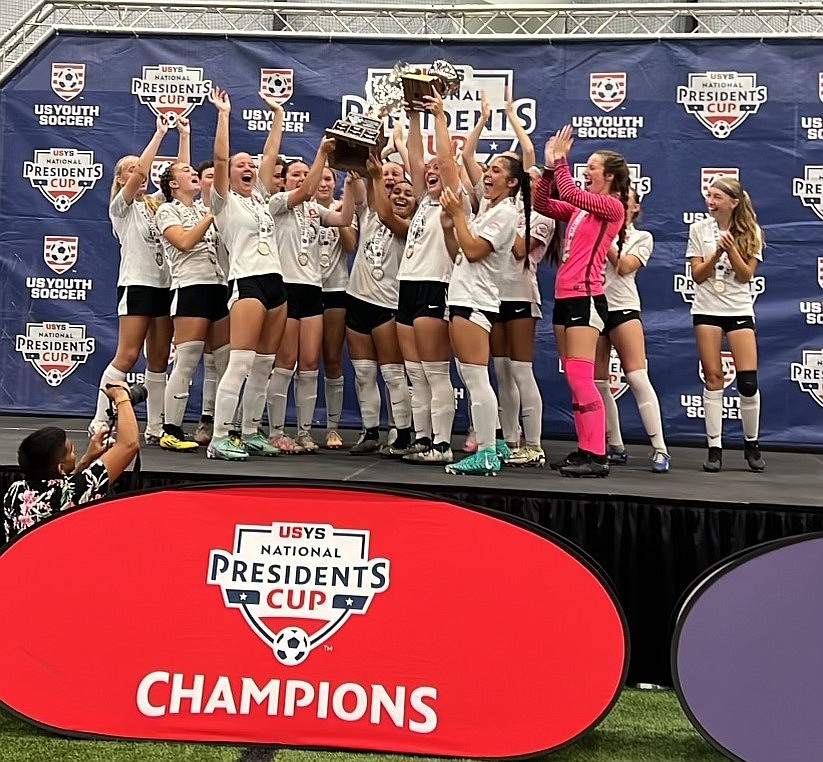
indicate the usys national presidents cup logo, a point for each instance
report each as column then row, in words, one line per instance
column 721, row 100
column 171, row 90
column 297, row 584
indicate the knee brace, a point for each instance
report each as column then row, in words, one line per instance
column 747, row 383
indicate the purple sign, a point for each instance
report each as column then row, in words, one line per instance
column 746, row 654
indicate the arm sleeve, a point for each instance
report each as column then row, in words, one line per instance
column 544, row 204
column 599, row 204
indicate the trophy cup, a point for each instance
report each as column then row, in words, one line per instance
column 441, row 77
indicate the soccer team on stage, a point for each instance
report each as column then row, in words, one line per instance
column 248, row 268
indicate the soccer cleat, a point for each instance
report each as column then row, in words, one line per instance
column 502, row 449
column 98, row 426
column 616, row 456
column 587, row 465
column 393, row 451
column 482, row 463
column 333, row 440
column 257, row 444
column 175, row 440
column 152, row 440
column 527, row 455
column 661, row 462
column 205, row 430
column 573, row 457
column 431, row 457
column 420, row 445
column 470, row 445
column 399, row 446
column 284, row 444
column 751, row 452
column 365, row 445
column 714, row 460
column 224, row 448
column 305, row 442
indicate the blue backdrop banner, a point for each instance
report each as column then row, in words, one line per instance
column 681, row 112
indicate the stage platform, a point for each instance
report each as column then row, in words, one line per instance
column 651, row 533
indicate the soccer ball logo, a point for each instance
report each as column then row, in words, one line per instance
column 60, row 252
column 68, row 79
column 279, row 83
column 607, row 90
column 291, row 646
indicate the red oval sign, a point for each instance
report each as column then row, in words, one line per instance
column 307, row 616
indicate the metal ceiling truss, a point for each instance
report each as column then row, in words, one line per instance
column 329, row 19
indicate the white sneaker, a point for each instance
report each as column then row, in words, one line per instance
column 527, row 455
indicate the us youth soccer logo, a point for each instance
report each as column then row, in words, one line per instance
column 55, row 350
column 296, row 584
column 808, row 374
column 707, row 176
column 279, row 83
column 62, row 175
column 812, row 310
column 68, row 79
column 812, row 124
column 607, row 90
column 462, row 110
column 158, row 167
column 727, row 365
column 641, row 183
column 171, row 90
column 809, row 188
column 721, row 100
column 60, row 252
column 617, row 378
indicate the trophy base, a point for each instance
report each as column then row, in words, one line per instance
column 355, row 138
column 418, row 86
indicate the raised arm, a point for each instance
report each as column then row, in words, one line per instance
column 417, row 163
column 143, row 167
column 449, row 173
column 184, row 141
column 542, row 201
column 312, row 179
column 220, row 100
column 343, row 217
column 271, row 149
column 473, row 169
column 399, row 140
column 526, row 146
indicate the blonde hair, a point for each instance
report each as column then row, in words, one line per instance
column 748, row 235
column 118, row 171
column 152, row 202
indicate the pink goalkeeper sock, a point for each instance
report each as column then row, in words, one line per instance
column 589, row 414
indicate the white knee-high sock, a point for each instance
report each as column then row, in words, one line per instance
column 254, row 395
column 228, row 389
column 221, row 360
column 713, row 408
column 334, row 402
column 483, row 401
column 305, row 398
column 177, row 389
column 442, row 404
column 508, row 399
column 397, row 390
column 648, row 406
column 368, row 392
column 421, row 400
column 613, row 434
column 156, row 387
column 750, row 415
column 276, row 397
column 110, row 376
column 209, row 385
column 531, row 403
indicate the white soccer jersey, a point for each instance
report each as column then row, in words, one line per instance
column 518, row 280
column 334, row 266
column 474, row 284
column 621, row 290
column 425, row 257
column 142, row 260
column 247, row 230
column 374, row 272
column 297, row 230
column 199, row 265
column 222, row 251
column 721, row 294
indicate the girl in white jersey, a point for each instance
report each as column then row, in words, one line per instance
column 479, row 249
column 257, row 298
column 298, row 221
column 333, row 244
column 624, row 331
column 143, row 296
column 424, row 274
column 371, row 330
column 724, row 251
column 199, row 297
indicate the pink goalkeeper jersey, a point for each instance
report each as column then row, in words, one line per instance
column 594, row 220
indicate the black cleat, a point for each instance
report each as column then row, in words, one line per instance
column 587, row 465
column 751, row 452
column 575, row 456
column 714, row 460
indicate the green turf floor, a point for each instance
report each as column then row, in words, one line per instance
column 644, row 726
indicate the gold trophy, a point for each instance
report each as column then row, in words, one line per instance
column 441, row 77
column 356, row 137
